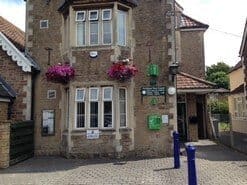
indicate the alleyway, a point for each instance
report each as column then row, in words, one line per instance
column 215, row 165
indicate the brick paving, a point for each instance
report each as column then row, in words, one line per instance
column 216, row 165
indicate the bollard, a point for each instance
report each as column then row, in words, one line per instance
column 191, row 165
column 176, row 150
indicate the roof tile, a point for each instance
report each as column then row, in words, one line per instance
column 13, row 33
column 188, row 22
column 186, row 81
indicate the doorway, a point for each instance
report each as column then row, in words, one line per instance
column 182, row 123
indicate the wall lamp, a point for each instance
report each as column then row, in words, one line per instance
column 173, row 70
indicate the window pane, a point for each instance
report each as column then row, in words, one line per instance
column 106, row 14
column 94, row 94
column 80, row 95
column 80, row 16
column 123, row 120
column 121, row 28
column 107, row 32
column 94, row 29
column 107, row 93
column 94, row 114
column 107, row 114
column 122, row 107
column 80, row 119
column 81, row 33
column 122, row 94
column 93, row 15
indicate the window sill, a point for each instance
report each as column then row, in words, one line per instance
column 95, row 47
column 122, row 130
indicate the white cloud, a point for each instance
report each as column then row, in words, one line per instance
column 228, row 16
column 14, row 12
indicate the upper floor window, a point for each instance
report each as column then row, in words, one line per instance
column 94, row 27
column 122, row 18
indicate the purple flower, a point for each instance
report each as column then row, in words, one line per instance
column 60, row 73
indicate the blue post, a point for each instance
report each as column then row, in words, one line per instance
column 191, row 165
column 176, row 150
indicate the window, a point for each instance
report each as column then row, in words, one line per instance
column 107, row 26
column 122, row 107
column 94, row 107
column 43, row 24
column 240, row 109
column 80, row 27
column 122, row 16
column 80, row 108
column 107, row 107
column 94, row 27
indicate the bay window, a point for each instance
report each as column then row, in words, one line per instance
column 95, row 107
column 94, row 27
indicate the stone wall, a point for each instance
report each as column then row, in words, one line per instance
column 192, row 53
column 4, row 135
column 21, row 83
column 91, row 72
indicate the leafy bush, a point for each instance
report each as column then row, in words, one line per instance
column 219, row 107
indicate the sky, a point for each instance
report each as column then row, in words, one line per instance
column 226, row 20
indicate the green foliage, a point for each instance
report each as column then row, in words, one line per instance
column 217, row 73
column 219, row 107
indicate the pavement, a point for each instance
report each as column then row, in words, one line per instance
column 216, row 165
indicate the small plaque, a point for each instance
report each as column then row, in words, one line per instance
column 92, row 134
column 153, row 91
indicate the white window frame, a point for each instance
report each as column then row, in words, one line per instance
column 126, row 106
column 89, row 35
column 102, row 106
column 85, row 103
column 106, row 19
column 93, row 19
column 76, row 17
column 238, row 114
column 44, row 21
column 89, row 105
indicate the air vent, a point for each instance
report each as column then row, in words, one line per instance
column 51, row 94
column 44, row 24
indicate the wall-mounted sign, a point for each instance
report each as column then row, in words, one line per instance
column 48, row 122
column 92, row 134
column 153, row 91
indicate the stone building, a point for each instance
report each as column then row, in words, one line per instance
column 192, row 88
column 94, row 115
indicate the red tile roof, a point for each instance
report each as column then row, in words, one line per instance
column 187, row 22
column 186, row 81
column 14, row 34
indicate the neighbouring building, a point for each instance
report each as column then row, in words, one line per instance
column 16, row 83
column 192, row 88
column 16, row 69
column 237, row 99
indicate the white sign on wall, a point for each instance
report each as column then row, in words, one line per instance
column 92, row 134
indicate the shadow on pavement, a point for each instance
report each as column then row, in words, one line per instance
column 209, row 150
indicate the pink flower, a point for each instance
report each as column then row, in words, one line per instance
column 60, row 73
column 122, row 72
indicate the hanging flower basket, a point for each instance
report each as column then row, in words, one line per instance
column 60, row 73
column 121, row 71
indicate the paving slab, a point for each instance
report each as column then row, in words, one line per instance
column 216, row 164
